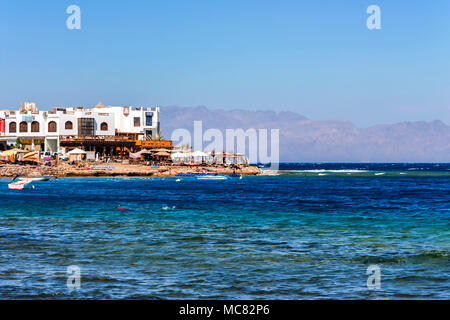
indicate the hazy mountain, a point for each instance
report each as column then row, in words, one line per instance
column 304, row 140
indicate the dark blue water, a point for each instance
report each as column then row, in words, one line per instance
column 277, row 237
column 388, row 167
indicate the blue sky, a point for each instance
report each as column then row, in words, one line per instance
column 316, row 58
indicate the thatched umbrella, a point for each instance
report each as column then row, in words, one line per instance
column 162, row 154
column 161, row 150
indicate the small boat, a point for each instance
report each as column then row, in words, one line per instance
column 16, row 186
column 23, row 182
column 31, row 179
column 19, row 185
column 212, row 177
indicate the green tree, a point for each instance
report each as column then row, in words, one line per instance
column 19, row 144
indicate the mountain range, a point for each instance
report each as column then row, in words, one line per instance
column 305, row 140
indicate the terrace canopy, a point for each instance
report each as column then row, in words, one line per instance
column 137, row 155
column 31, row 156
column 11, row 154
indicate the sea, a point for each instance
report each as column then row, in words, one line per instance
column 318, row 231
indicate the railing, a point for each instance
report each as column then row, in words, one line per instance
column 94, row 138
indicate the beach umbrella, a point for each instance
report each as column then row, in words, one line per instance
column 161, row 150
column 162, row 153
column 178, row 155
column 199, row 153
column 77, row 151
column 76, row 154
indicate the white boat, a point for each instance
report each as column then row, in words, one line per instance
column 31, row 179
column 19, row 185
column 212, row 177
column 23, row 182
column 16, row 186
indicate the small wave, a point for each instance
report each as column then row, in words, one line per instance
column 379, row 173
column 168, row 207
column 380, row 259
column 195, row 238
column 414, row 278
column 432, row 254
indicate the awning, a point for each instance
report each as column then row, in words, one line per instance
column 29, row 154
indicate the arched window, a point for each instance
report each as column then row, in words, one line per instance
column 23, row 127
column 12, row 127
column 69, row 125
column 52, row 126
column 104, row 126
column 35, row 126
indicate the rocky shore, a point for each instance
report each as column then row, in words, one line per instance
column 111, row 170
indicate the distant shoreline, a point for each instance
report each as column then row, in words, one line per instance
column 124, row 170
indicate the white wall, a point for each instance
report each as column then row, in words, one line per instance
column 125, row 122
column 113, row 116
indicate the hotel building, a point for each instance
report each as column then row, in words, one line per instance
column 45, row 130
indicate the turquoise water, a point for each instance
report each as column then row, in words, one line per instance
column 277, row 237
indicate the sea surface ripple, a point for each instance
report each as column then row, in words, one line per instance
column 274, row 237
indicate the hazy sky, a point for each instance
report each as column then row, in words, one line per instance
column 314, row 57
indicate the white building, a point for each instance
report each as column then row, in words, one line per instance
column 42, row 130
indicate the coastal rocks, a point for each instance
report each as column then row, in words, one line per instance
column 11, row 170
